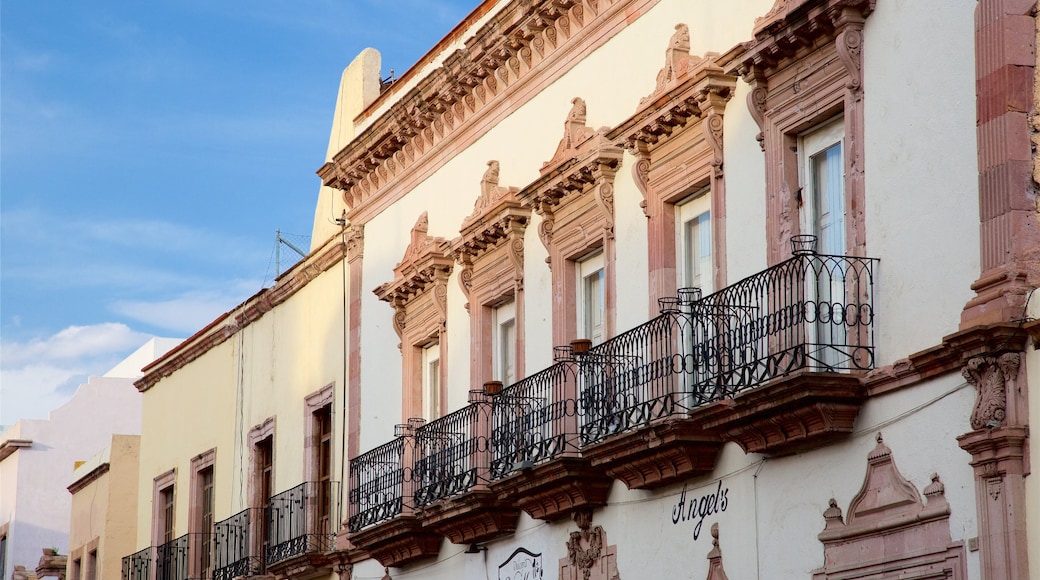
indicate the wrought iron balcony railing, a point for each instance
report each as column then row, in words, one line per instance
column 232, row 552
column 302, row 520
column 377, row 483
column 171, row 559
column 446, row 456
column 811, row 312
column 138, row 566
column 532, row 419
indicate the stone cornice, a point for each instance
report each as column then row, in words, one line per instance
column 496, row 213
column 11, row 445
column 89, row 477
column 584, row 158
column 521, row 44
column 426, row 260
column 689, row 92
column 228, row 324
column 794, row 26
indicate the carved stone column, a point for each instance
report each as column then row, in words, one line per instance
column 1009, row 231
column 997, row 455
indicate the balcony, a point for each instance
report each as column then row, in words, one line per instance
column 772, row 362
column 138, row 566
column 231, row 546
column 301, row 525
column 297, row 529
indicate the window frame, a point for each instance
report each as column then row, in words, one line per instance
column 163, row 515
column 201, row 541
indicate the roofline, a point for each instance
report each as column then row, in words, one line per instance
column 332, row 252
column 7, row 448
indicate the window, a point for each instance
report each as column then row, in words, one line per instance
column 431, row 381
column 591, row 298
column 91, row 565
column 206, row 520
column 200, row 514
column 166, row 507
column 264, row 453
column 76, row 569
column 323, row 462
column 3, row 549
column 693, row 238
column 822, row 171
column 504, row 343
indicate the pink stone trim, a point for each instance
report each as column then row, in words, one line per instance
column 575, row 199
column 474, row 90
column 675, row 159
column 769, row 63
column 161, row 483
column 490, row 250
column 889, row 532
column 198, row 464
column 312, row 404
column 419, row 295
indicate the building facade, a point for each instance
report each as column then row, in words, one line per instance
column 104, row 510
column 641, row 289
column 37, row 458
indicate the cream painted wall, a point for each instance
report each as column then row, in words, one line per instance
column 264, row 370
column 921, row 170
column 1032, row 364
column 745, row 170
column 106, row 509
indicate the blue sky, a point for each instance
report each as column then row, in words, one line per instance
column 148, row 153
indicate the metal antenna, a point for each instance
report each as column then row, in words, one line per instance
column 279, row 240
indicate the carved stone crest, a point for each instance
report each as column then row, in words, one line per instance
column 588, row 553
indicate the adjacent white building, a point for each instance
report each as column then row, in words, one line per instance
column 37, row 457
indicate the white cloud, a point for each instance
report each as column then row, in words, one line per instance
column 36, row 375
column 188, row 312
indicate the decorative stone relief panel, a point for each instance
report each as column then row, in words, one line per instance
column 491, row 253
column 804, row 66
column 418, row 294
column 575, row 199
column 676, row 135
column 588, row 555
column 889, row 532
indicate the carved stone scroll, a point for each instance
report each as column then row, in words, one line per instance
column 993, row 377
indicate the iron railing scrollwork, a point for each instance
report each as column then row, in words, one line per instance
column 377, row 484
column 302, row 520
column 446, row 453
column 811, row 312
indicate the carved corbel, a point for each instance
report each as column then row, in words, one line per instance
column 641, row 173
column 756, row 103
column 466, row 280
column 993, row 377
column 545, row 233
column 604, row 190
column 849, row 45
column 515, row 250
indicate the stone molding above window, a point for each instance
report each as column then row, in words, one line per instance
column 491, row 253
column 676, row 136
column 419, row 295
column 889, row 530
column 575, row 199
column 805, row 66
